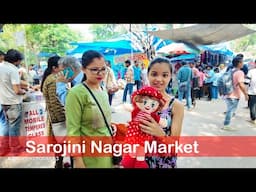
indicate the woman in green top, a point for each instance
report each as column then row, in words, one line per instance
column 83, row 115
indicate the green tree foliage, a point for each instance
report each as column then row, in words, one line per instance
column 106, row 31
column 246, row 43
column 49, row 38
column 7, row 37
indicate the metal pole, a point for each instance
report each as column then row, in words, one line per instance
column 130, row 32
column 25, row 47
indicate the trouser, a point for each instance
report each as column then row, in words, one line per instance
column 11, row 129
column 128, row 87
column 110, row 98
column 252, row 106
column 231, row 108
column 187, row 93
column 209, row 88
column 138, row 84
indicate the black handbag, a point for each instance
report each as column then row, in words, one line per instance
column 115, row 159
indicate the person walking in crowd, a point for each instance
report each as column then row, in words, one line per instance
column 55, row 109
column 84, row 118
column 109, row 82
column 252, row 93
column 216, row 76
column 144, row 77
column 71, row 73
column 159, row 75
column 209, row 80
column 11, row 96
column 195, row 82
column 201, row 82
column 137, row 74
column 184, row 78
column 31, row 75
column 129, row 77
column 222, row 69
column 233, row 98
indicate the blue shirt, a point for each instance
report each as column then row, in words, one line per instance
column 184, row 74
column 210, row 77
column 61, row 89
column 137, row 73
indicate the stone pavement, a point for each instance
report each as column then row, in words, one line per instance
column 205, row 120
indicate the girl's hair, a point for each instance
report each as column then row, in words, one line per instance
column 88, row 58
column 159, row 60
column 52, row 62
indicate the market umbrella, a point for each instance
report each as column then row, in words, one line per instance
column 178, row 49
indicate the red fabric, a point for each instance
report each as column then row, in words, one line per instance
column 134, row 134
column 129, row 162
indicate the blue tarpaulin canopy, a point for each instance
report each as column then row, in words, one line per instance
column 44, row 54
column 184, row 57
column 221, row 48
column 124, row 44
column 105, row 47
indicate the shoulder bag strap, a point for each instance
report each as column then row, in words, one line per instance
column 171, row 102
column 109, row 129
column 232, row 75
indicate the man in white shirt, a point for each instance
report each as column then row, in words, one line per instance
column 11, row 101
column 252, row 93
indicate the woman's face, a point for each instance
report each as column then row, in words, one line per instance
column 95, row 71
column 159, row 76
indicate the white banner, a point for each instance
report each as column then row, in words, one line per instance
column 34, row 118
column 20, row 38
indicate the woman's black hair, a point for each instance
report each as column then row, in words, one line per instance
column 88, row 57
column 52, row 62
column 160, row 60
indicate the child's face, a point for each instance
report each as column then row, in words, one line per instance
column 148, row 105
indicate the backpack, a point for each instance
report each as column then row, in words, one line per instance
column 225, row 83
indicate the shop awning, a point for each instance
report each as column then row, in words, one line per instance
column 205, row 34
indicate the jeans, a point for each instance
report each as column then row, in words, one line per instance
column 231, row 108
column 252, row 106
column 11, row 130
column 138, row 84
column 187, row 94
column 209, row 88
column 215, row 92
column 128, row 87
column 110, row 98
column 3, row 122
